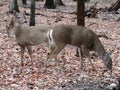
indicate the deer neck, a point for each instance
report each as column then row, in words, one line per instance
column 17, row 29
column 99, row 48
column 101, row 52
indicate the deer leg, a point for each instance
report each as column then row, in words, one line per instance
column 59, row 48
column 52, row 48
column 77, row 52
column 55, row 51
column 80, row 56
column 87, row 54
column 30, row 53
column 22, row 53
column 49, row 55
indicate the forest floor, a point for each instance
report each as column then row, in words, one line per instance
column 73, row 78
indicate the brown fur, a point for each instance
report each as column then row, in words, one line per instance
column 78, row 36
column 27, row 36
column 86, row 39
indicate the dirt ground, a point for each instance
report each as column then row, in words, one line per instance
column 73, row 78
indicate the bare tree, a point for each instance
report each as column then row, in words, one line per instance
column 24, row 2
column 59, row 3
column 32, row 13
column 80, row 12
column 80, row 15
column 85, row 0
column 49, row 4
column 11, row 5
column 16, row 8
column 39, row 0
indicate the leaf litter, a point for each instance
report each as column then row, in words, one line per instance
column 13, row 77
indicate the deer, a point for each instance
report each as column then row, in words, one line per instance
column 79, row 36
column 27, row 36
column 57, row 37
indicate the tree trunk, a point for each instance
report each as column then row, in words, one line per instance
column 32, row 13
column 49, row 4
column 80, row 16
column 39, row 0
column 115, row 6
column 80, row 12
column 59, row 3
column 24, row 2
column 11, row 5
column 85, row 0
column 16, row 6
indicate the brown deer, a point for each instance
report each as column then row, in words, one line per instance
column 27, row 36
column 58, row 37
column 84, row 38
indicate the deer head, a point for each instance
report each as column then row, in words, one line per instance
column 17, row 19
column 107, row 61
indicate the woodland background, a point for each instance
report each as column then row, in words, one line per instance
column 74, row 78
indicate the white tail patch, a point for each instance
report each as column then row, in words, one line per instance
column 50, row 37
